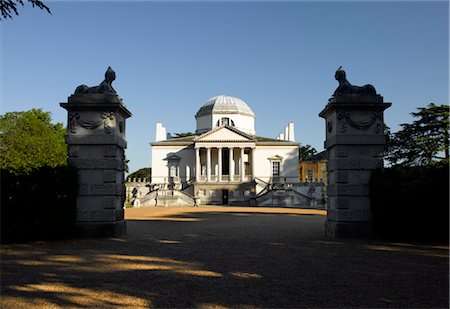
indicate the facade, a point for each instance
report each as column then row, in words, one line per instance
column 225, row 162
column 314, row 168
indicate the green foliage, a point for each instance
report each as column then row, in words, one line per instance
column 142, row 173
column 423, row 142
column 38, row 205
column 184, row 134
column 9, row 7
column 305, row 152
column 411, row 203
column 29, row 141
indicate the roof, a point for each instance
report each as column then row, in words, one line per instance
column 189, row 140
column 225, row 104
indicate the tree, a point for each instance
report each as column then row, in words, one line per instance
column 184, row 134
column 29, row 140
column 423, row 142
column 9, row 7
column 142, row 173
column 305, row 152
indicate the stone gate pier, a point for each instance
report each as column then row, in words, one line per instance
column 96, row 146
column 355, row 142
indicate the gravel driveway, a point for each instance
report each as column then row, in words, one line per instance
column 214, row 257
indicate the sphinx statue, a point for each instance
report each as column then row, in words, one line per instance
column 346, row 88
column 105, row 86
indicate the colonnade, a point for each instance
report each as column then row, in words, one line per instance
column 235, row 173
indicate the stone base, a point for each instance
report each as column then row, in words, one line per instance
column 349, row 229
column 101, row 229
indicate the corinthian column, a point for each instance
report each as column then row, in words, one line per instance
column 231, row 164
column 242, row 165
column 208, row 164
column 219, row 159
column 197, row 164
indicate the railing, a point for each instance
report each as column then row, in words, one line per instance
column 225, row 178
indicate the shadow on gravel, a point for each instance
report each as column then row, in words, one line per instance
column 224, row 259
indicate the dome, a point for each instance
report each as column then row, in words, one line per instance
column 224, row 104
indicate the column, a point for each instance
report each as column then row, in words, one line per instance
column 252, row 163
column 242, row 165
column 208, row 164
column 231, row 164
column 197, row 165
column 96, row 146
column 354, row 142
column 219, row 160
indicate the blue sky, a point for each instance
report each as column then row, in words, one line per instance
column 279, row 57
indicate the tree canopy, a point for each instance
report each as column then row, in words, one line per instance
column 8, row 8
column 184, row 134
column 29, row 140
column 423, row 142
column 305, row 152
column 142, row 173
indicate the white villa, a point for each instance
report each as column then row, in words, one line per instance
column 224, row 163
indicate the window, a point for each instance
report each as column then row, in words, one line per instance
column 225, row 121
column 173, row 171
column 310, row 175
column 276, row 168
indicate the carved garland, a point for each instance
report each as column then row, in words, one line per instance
column 344, row 118
column 107, row 119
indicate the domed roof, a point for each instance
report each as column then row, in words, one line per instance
column 224, row 104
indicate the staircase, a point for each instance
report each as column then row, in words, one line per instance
column 167, row 198
column 281, row 195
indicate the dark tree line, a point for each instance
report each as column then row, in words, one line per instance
column 423, row 142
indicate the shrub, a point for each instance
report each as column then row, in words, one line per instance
column 411, row 203
column 40, row 204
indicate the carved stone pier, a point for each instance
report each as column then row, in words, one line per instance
column 355, row 141
column 96, row 141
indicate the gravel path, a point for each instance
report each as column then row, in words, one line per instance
column 214, row 257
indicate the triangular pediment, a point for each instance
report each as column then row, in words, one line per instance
column 224, row 134
column 172, row 157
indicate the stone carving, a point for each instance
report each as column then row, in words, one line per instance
column 104, row 87
column 344, row 118
column 107, row 119
column 73, row 119
column 346, row 88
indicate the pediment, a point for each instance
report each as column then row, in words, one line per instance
column 224, row 134
column 276, row 158
column 172, row 157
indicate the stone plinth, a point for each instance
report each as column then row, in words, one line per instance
column 355, row 142
column 96, row 146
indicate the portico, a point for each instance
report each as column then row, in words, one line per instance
column 226, row 163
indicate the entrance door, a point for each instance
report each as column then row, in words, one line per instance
column 224, row 197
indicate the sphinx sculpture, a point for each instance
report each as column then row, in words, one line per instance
column 105, row 86
column 346, row 88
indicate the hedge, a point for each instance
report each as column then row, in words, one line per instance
column 39, row 205
column 411, row 203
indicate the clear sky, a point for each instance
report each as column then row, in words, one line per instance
column 279, row 57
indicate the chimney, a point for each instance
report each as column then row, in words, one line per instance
column 161, row 134
column 291, row 133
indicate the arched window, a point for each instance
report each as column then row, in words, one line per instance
column 225, row 121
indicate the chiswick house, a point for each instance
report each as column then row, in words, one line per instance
column 225, row 162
